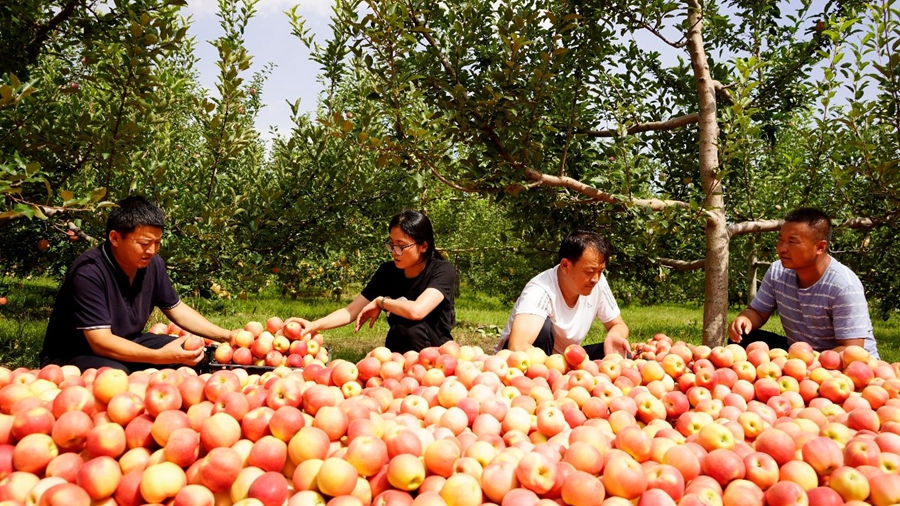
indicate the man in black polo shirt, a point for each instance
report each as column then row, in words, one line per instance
column 108, row 294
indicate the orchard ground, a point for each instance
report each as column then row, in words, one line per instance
column 480, row 319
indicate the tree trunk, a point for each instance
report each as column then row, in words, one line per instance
column 715, row 308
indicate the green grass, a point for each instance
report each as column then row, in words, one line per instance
column 480, row 320
column 23, row 320
column 679, row 321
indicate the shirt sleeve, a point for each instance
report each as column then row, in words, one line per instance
column 764, row 302
column 91, row 304
column 164, row 294
column 850, row 313
column 377, row 285
column 607, row 308
column 444, row 280
column 534, row 300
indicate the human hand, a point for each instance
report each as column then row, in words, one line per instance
column 174, row 353
column 306, row 326
column 615, row 343
column 369, row 313
column 740, row 326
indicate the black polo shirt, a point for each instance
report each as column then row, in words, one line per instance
column 438, row 274
column 95, row 294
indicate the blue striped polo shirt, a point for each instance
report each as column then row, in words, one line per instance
column 832, row 309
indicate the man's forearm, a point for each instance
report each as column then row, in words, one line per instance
column 843, row 343
column 106, row 344
column 524, row 331
column 756, row 319
column 619, row 329
column 520, row 344
column 189, row 319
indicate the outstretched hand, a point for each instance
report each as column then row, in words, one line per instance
column 368, row 314
column 615, row 343
column 740, row 326
column 306, row 326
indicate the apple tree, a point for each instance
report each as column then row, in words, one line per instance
column 851, row 142
column 77, row 90
column 657, row 123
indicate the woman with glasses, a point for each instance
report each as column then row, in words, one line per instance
column 415, row 289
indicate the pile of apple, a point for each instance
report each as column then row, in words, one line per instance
column 278, row 343
column 676, row 425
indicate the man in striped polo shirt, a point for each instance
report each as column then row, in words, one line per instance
column 820, row 300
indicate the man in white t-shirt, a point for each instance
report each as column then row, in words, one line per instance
column 558, row 306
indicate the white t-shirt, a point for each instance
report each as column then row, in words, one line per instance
column 542, row 297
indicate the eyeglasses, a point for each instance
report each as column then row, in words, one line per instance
column 396, row 249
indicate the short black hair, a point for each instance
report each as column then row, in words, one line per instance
column 133, row 212
column 573, row 246
column 417, row 226
column 816, row 219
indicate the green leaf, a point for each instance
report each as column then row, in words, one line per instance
column 25, row 210
column 98, row 194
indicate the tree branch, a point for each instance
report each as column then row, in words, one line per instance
column 596, row 194
column 643, row 24
column 43, row 31
column 449, row 183
column 427, row 34
column 682, row 265
column 669, row 124
column 78, row 232
column 755, row 227
column 723, row 93
column 7, row 218
column 861, row 223
column 479, row 250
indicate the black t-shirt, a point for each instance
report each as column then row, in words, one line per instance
column 438, row 274
column 96, row 294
